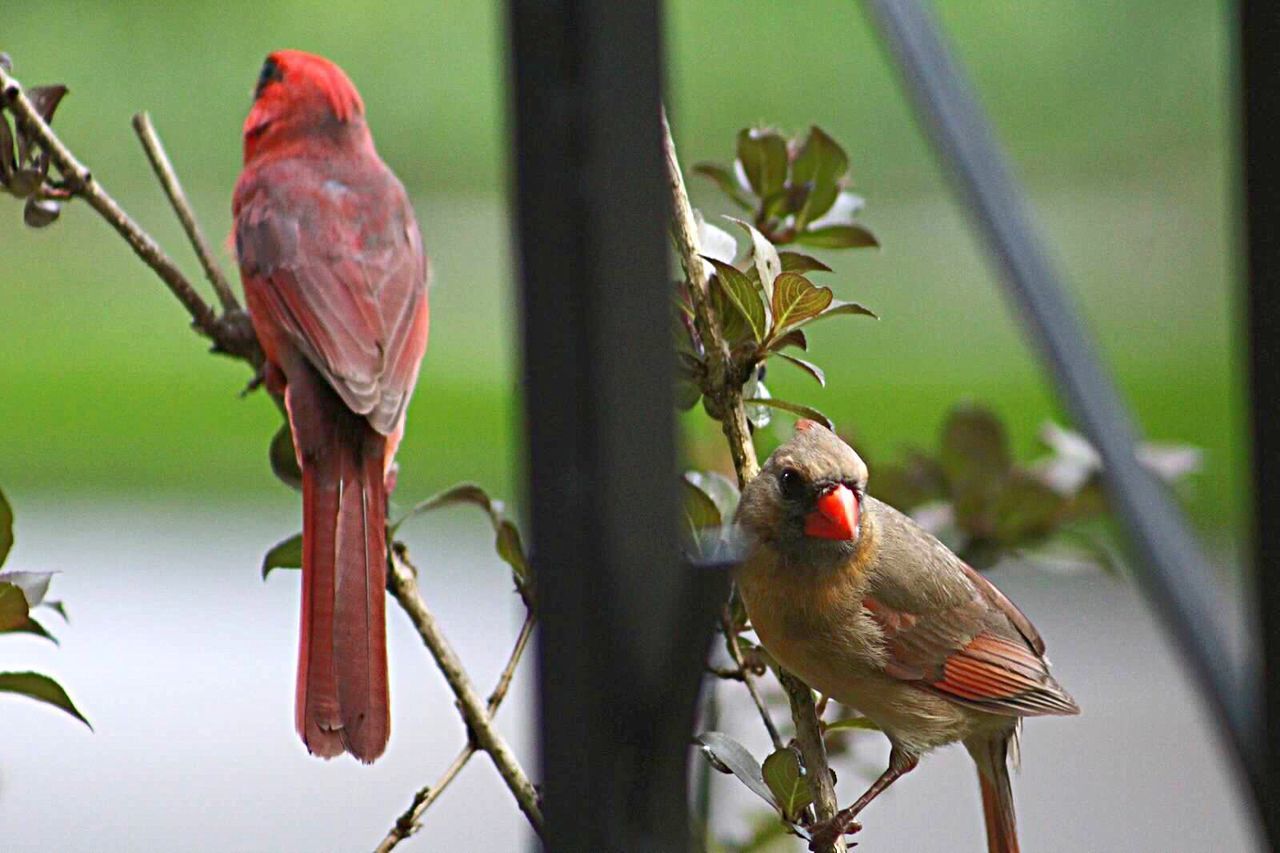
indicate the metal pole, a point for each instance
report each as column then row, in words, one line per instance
column 1260, row 78
column 622, row 644
column 1171, row 569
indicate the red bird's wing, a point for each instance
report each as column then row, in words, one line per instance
column 982, row 652
column 336, row 266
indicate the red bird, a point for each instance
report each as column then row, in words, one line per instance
column 335, row 279
column 864, row 605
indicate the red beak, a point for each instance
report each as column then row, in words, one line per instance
column 836, row 516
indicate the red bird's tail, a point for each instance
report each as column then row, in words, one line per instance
column 342, row 697
column 992, row 757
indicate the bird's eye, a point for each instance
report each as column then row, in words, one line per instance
column 792, row 484
column 270, row 73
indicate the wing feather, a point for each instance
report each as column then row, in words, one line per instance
column 338, row 266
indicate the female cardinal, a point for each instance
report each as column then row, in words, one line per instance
column 335, row 278
column 865, row 606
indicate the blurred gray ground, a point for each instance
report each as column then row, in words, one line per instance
column 183, row 659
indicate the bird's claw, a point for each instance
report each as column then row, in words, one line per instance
column 825, row 833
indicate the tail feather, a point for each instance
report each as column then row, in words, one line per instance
column 317, row 717
column 991, row 754
column 342, row 694
column 359, row 617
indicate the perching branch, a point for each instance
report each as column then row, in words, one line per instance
column 231, row 333
column 402, row 580
column 725, row 391
column 409, row 822
column 182, row 207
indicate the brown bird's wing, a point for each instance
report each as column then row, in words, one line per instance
column 982, row 652
column 342, row 275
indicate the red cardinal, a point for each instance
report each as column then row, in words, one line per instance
column 335, row 278
column 864, row 605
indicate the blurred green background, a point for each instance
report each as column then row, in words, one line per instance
column 1119, row 117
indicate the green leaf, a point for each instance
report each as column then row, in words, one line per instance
column 917, row 480
column 722, row 490
column 31, row 626
column 742, row 295
column 781, row 772
column 795, row 409
column 687, row 394
column 798, row 262
column 6, row 522
column 507, row 541
column 839, row 306
column 732, row 324
column 807, row 366
column 727, row 755
column 1027, row 510
column 59, row 608
column 796, row 300
column 13, row 607
column 763, row 155
column 285, row 555
column 976, row 459
column 974, row 443
column 821, row 163
column 700, row 512
column 838, row 237
column 725, row 180
column 42, row 688
column 284, row 461
column 794, row 338
column 852, row 724
column 764, row 256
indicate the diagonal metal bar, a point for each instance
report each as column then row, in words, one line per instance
column 1171, row 570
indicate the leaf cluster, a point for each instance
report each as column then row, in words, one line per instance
column 24, row 167
column 796, row 190
column 20, row 594
column 974, row 495
column 764, row 303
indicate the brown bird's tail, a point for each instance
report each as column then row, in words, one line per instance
column 342, row 695
column 991, row 754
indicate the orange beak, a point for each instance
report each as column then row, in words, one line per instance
column 836, row 516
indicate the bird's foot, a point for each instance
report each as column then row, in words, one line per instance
column 824, row 833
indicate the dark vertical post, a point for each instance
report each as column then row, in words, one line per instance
column 1260, row 77
column 598, row 362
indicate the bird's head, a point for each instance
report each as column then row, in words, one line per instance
column 807, row 502
column 300, row 94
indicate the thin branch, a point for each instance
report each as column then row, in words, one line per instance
column 727, row 396
column 163, row 168
column 232, row 333
column 735, row 652
column 404, row 586
column 408, row 823
column 724, row 389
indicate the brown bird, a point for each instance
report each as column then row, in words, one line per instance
column 868, row 608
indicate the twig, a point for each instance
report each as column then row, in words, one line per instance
column 404, row 586
column 728, row 399
column 408, row 823
column 182, row 207
column 231, row 333
column 724, row 389
column 735, row 652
